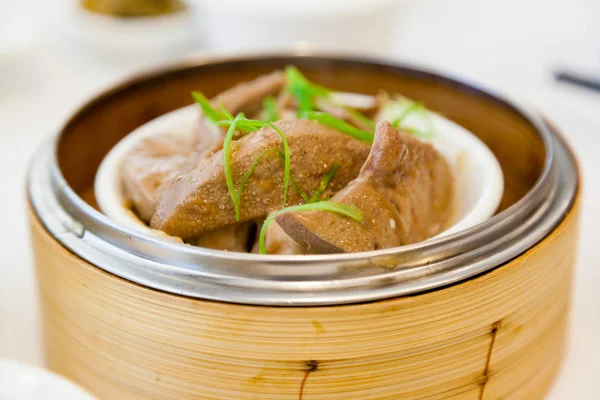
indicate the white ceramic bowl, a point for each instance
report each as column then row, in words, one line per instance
column 477, row 174
column 20, row 381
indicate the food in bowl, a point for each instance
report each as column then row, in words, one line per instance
column 280, row 165
column 133, row 8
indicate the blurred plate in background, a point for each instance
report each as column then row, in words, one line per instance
column 148, row 36
column 20, row 381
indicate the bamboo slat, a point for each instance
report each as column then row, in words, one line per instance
column 497, row 336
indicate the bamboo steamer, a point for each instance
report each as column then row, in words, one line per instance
column 479, row 315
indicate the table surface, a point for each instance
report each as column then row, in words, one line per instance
column 42, row 83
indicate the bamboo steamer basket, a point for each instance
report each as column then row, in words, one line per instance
column 481, row 314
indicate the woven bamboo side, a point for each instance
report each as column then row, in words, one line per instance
column 497, row 336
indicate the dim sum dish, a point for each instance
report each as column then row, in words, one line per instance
column 304, row 227
column 281, row 165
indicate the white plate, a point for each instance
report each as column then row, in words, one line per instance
column 20, row 381
column 477, row 174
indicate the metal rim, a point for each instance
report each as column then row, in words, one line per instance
column 314, row 279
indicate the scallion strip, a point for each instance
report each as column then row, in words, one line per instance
column 324, row 205
column 211, row 113
column 294, row 183
column 299, row 189
column 286, row 162
column 363, row 119
column 241, row 122
column 270, row 106
column 303, row 90
column 337, row 124
column 325, row 181
column 227, row 165
column 244, row 124
column 224, row 111
column 246, row 176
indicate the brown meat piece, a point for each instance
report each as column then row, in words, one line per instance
column 152, row 165
column 285, row 106
column 200, row 201
column 208, row 137
column 277, row 241
column 404, row 191
column 157, row 160
column 149, row 165
column 233, row 237
column 246, row 97
column 154, row 162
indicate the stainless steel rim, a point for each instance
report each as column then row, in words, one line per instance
column 307, row 280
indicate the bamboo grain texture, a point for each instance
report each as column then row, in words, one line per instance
column 497, row 336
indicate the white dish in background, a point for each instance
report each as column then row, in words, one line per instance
column 19, row 381
column 156, row 36
column 478, row 178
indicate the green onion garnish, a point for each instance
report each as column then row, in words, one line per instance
column 211, row 113
column 270, row 106
column 324, row 205
column 244, row 124
column 227, row 165
column 417, row 108
column 303, row 90
column 294, row 183
column 248, row 125
column 363, row 119
column 286, row 162
column 338, row 124
column 325, row 181
column 299, row 189
column 246, row 176
column 224, row 111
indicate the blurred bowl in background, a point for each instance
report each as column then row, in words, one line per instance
column 346, row 25
column 19, row 381
column 158, row 36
